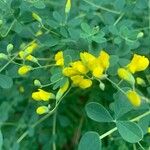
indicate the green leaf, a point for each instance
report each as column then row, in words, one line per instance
column 144, row 123
column 6, row 82
column 98, row 113
column 39, row 5
column 86, row 28
column 1, row 140
column 89, row 141
column 121, row 104
column 129, row 131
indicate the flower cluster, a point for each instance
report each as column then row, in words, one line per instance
column 81, row 72
column 138, row 63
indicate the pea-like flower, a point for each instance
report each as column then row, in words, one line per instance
column 42, row 110
column 59, row 59
column 23, row 70
column 97, row 65
column 126, row 75
column 79, row 81
column 42, row 95
column 134, row 98
column 138, row 63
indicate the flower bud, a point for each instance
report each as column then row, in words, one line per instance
column 140, row 81
column 23, row 70
column 126, row 75
column 42, row 110
column 102, row 86
column 37, row 83
column 140, row 35
column 36, row 17
column 10, row 48
column 134, row 98
column 68, row 6
column 3, row 56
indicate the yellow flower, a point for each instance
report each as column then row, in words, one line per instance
column 134, row 98
column 42, row 95
column 85, row 83
column 97, row 71
column 138, row 63
column 88, row 60
column 68, row 6
column 96, row 65
column 126, row 75
column 140, row 81
column 104, row 59
column 42, row 110
column 79, row 67
column 59, row 59
column 62, row 90
column 24, row 70
column 32, row 46
column 79, row 80
column 69, row 71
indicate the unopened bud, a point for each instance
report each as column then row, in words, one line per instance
column 140, row 35
column 36, row 17
column 3, row 56
column 9, row 48
column 37, row 83
column 102, row 86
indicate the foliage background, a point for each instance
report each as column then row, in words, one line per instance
column 114, row 25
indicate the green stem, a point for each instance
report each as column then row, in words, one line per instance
column 40, row 67
column 54, row 129
column 101, row 7
column 116, row 85
column 119, row 18
column 10, row 61
column 132, row 120
column 4, row 35
column 43, row 118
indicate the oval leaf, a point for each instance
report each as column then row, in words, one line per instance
column 6, row 82
column 98, row 113
column 89, row 141
column 129, row 131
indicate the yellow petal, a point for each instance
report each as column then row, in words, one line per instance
column 36, row 96
column 42, row 110
column 62, row 90
column 69, row 71
column 68, row 6
column 104, row 59
column 24, row 70
column 45, row 96
column 59, row 59
column 126, row 75
column 138, row 63
column 134, row 98
column 79, row 67
column 85, row 83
